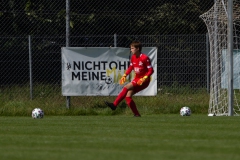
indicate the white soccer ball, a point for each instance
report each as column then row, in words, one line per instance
column 185, row 111
column 37, row 113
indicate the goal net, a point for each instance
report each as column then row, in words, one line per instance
column 216, row 20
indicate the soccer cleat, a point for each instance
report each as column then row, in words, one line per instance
column 111, row 105
column 137, row 115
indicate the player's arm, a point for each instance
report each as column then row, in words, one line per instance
column 148, row 74
column 149, row 67
column 128, row 71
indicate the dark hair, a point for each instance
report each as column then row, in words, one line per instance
column 137, row 44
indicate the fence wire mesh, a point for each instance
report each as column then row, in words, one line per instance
column 33, row 32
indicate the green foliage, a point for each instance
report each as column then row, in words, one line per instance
column 154, row 17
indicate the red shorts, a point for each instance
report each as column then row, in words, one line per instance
column 138, row 88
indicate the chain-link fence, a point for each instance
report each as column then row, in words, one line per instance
column 33, row 32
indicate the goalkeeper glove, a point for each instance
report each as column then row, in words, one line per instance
column 123, row 79
column 141, row 80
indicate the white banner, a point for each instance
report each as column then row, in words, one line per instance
column 96, row 71
column 225, row 70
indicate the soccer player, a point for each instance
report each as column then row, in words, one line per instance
column 143, row 69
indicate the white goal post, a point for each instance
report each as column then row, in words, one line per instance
column 223, row 24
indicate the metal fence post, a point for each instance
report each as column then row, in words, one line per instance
column 67, row 39
column 115, row 40
column 30, row 66
column 208, row 64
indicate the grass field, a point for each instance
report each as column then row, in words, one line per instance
column 164, row 136
column 15, row 101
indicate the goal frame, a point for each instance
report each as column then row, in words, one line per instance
column 219, row 21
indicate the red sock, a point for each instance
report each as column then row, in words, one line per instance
column 132, row 105
column 121, row 96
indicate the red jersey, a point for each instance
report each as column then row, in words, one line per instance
column 141, row 66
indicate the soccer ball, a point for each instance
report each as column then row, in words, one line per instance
column 37, row 113
column 109, row 80
column 185, row 111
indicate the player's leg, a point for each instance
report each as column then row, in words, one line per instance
column 120, row 96
column 129, row 100
column 127, row 88
column 131, row 103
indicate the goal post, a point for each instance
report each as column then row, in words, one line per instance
column 223, row 24
column 230, row 59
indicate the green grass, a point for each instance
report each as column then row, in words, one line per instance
column 15, row 101
column 163, row 136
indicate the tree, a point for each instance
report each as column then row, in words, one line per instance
column 94, row 17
